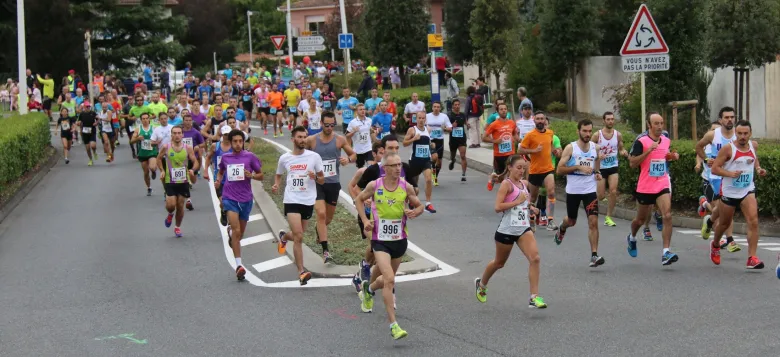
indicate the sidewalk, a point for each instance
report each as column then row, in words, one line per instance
column 481, row 159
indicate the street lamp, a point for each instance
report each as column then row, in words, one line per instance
column 249, row 26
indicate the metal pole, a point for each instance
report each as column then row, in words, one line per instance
column 249, row 27
column 88, row 37
column 347, row 59
column 215, row 63
column 289, row 36
column 644, row 124
column 22, row 48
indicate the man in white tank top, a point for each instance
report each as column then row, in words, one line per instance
column 610, row 143
column 738, row 164
column 580, row 162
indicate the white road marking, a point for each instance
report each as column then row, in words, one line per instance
column 688, row 231
column 255, row 217
column 767, row 244
column 257, row 239
column 272, row 264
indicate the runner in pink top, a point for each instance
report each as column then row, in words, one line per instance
column 651, row 154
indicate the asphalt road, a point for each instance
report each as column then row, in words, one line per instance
column 86, row 257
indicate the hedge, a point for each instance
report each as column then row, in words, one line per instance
column 24, row 139
column 686, row 182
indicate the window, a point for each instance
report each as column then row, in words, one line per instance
column 314, row 24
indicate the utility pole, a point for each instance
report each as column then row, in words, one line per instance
column 22, row 49
column 289, row 36
column 88, row 37
column 347, row 59
column 249, row 26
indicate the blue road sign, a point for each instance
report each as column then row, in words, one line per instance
column 346, row 41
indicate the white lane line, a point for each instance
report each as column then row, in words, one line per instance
column 257, row 239
column 272, row 264
column 255, row 217
column 773, row 249
column 768, row 244
column 688, row 231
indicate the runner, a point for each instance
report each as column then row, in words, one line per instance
column 420, row 162
column 359, row 133
column 213, row 159
column 236, row 170
column 525, row 122
column 437, row 123
column 304, row 172
column 66, row 123
column 263, row 109
column 610, row 143
column 192, row 138
column 383, row 121
column 580, row 163
column 87, row 124
column 313, row 117
column 737, row 163
column 291, row 97
column 346, row 107
column 107, row 131
column 538, row 145
column 502, row 133
column 175, row 158
column 514, row 228
column 275, row 99
column 328, row 146
column 388, row 234
column 650, row 153
column 147, row 154
column 458, row 138
column 412, row 109
column 161, row 136
column 541, row 198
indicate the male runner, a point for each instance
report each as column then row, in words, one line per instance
column 239, row 167
column 538, row 145
column 87, row 125
column 388, row 234
column 194, row 139
column 175, row 158
column 650, row 153
column 437, row 123
column 580, row 163
column 359, row 133
column 213, row 158
column 328, row 145
column 420, row 162
column 304, row 172
column 458, row 137
column 383, row 121
column 502, row 133
column 610, row 143
column 147, row 154
column 346, row 107
column 737, row 163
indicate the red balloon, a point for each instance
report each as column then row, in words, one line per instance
column 287, row 60
column 306, row 60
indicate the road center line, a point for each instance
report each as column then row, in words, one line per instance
column 272, row 264
column 257, row 239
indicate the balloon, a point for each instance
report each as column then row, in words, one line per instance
column 306, row 60
column 287, row 60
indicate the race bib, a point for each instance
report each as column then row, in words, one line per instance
column 86, row 130
column 235, row 172
column 293, row 109
column 362, row 138
column 389, row 229
column 743, row 181
column 146, row 144
column 505, row 147
column 422, row 151
column 263, row 103
column 326, row 104
column 178, row 174
column 437, row 134
column 187, row 141
column 347, row 113
column 519, row 217
column 65, row 125
column 457, row 132
column 273, row 110
column 247, row 98
column 414, row 118
column 584, row 161
column 609, row 161
column 329, row 167
column 297, row 183
column 657, row 167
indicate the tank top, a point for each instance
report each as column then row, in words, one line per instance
column 330, row 154
column 315, row 119
column 105, row 124
column 653, row 173
column 387, row 211
column 421, row 148
column 609, row 148
column 218, row 152
column 718, row 142
column 515, row 221
column 740, row 161
column 524, row 126
column 176, row 162
column 145, row 148
column 578, row 182
column 706, row 170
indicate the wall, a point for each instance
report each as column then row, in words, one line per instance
column 596, row 74
column 298, row 17
column 721, row 94
column 772, row 96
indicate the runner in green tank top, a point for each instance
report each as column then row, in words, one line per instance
column 147, row 153
column 175, row 157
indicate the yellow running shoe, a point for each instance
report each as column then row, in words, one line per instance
column 733, row 247
column 480, row 292
column 537, row 302
column 366, row 299
column 705, row 232
column 89, row 163
column 608, row 222
column 435, row 180
column 397, row 332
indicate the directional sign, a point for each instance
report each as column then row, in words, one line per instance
column 278, row 41
column 646, row 63
column 311, row 48
column 346, row 41
column 298, row 53
column 279, row 52
column 435, row 41
column 643, row 38
column 310, row 40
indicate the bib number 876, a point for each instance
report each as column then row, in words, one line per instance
column 297, row 182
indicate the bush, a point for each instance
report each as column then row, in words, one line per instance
column 557, row 107
column 24, row 139
column 686, row 182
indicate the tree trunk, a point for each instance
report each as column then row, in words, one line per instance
column 497, row 74
column 572, row 72
column 402, row 74
column 479, row 69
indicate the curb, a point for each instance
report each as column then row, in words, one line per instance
column 26, row 187
column 312, row 261
column 623, row 213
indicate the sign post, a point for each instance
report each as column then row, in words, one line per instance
column 644, row 50
column 346, row 42
column 435, row 43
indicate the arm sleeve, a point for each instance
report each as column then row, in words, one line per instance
column 526, row 142
column 256, row 164
column 280, row 166
column 637, row 148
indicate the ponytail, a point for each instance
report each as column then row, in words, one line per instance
column 512, row 160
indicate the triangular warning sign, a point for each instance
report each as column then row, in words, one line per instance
column 278, row 41
column 644, row 37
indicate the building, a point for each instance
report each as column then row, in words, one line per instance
column 309, row 16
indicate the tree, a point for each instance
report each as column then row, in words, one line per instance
column 395, row 32
column 495, row 34
column 458, row 39
column 125, row 37
column 744, row 35
column 615, row 18
column 353, row 11
column 266, row 20
column 570, row 33
column 208, row 29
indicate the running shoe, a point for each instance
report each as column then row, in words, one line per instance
column 559, row 235
column 67, row 161
column 275, row 135
column 89, row 163
column 365, row 271
column 366, row 298
column 609, row 222
column 596, row 260
column 702, row 210
column 429, row 208
column 240, row 272
column 189, row 205
column 304, row 278
column 281, row 245
column 754, row 263
column 451, row 165
column 705, row 230
column 542, row 221
column 551, row 226
column 357, row 283
column 435, row 180
column 397, row 332
column 463, row 178
column 289, row 126
column 659, row 222
column 168, row 220
column 177, row 232
column 108, row 158
column 481, row 292
column 715, row 254
column 733, row 247
column 668, row 258
column 265, row 132
column 223, row 218
column 631, row 246
column 154, row 174
column 648, row 236
column 148, row 191
column 326, row 257
column 537, row 303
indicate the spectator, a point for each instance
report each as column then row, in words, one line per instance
column 522, row 95
column 452, row 90
column 474, row 110
column 367, row 85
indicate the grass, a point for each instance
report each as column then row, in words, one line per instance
column 406, row 92
column 345, row 241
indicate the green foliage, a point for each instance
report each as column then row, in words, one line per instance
column 129, row 36
column 570, row 32
column 395, row 31
column 266, row 21
column 557, row 107
column 24, row 139
column 494, row 27
column 527, row 70
column 209, row 24
column 743, row 34
column 458, row 40
column 417, row 80
column 615, row 17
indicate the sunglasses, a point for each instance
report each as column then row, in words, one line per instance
column 329, row 125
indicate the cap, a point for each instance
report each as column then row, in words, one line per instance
column 71, row 71
column 226, row 130
column 86, row 104
column 525, row 106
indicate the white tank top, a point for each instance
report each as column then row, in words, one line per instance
column 740, row 161
column 314, row 119
column 705, row 172
column 718, row 142
column 107, row 128
column 577, row 182
column 609, row 148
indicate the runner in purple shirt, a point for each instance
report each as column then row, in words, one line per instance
column 239, row 166
column 193, row 138
column 198, row 118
